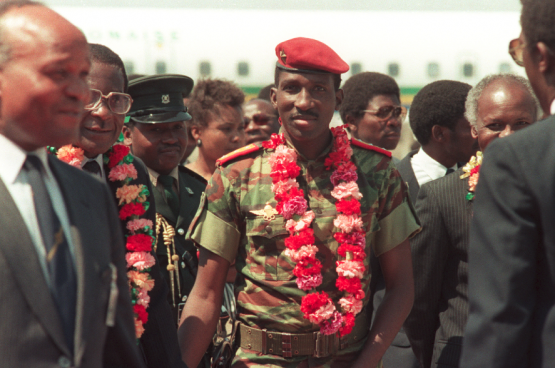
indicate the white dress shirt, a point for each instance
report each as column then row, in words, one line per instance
column 552, row 108
column 12, row 158
column 426, row 168
column 100, row 160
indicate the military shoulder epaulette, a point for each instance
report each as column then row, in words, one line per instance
column 356, row 142
column 237, row 153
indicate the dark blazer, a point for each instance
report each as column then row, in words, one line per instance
column 191, row 187
column 407, row 173
column 159, row 340
column 512, row 254
column 31, row 329
column 439, row 255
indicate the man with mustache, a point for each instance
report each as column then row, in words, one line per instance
column 157, row 134
column 298, row 214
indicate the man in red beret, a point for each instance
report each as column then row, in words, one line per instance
column 299, row 214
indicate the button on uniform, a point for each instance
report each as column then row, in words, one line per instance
column 268, row 229
column 64, row 362
column 180, row 231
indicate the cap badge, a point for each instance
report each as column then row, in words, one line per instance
column 165, row 99
column 283, row 57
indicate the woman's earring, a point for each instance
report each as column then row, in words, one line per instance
column 199, row 142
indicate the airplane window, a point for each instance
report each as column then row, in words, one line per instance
column 160, row 67
column 393, row 69
column 205, row 68
column 468, row 69
column 504, row 68
column 243, row 68
column 129, row 67
column 433, row 70
column 356, row 68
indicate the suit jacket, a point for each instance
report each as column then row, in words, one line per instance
column 407, row 173
column 190, row 191
column 439, row 254
column 159, row 340
column 512, row 254
column 31, row 328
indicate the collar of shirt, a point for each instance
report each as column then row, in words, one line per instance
column 100, row 160
column 12, row 158
column 321, row 156
column 552, row 108
column 426, row 168
column 154, row 177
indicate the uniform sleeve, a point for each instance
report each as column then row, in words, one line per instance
column 502, row 261
column 429, row 251
column 216, row 223
column 396, row 217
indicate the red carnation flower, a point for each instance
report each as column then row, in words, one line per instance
column 305, row 237
column 131, row 209
column 312, row 302
column 139, row 243
column 274, row 141
column 307, row 267
column 358, row 252
column 141, row 313
column 119, row 151
column 348, row 324
column 475, row 170
column 351, row 285
column 348, row 207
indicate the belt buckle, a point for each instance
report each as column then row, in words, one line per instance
column 286, row 345
column 325, row 345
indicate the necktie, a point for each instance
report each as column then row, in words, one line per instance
column 171, row 196
column 449, row 171
column 93, row 167
column 58, row 257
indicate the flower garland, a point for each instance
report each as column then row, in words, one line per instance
column 132, row 204
column 472, row 171
column 318, row 307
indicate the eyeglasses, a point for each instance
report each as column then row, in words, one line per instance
column 387, row 112
column 118, row 103
column 260, row 119
column 516, row 50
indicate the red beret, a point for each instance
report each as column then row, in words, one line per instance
column 308, row 55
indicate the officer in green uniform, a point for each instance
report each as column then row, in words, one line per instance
column 241, row 220
column 156, row 131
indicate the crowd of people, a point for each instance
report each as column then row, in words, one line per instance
column 156, row 221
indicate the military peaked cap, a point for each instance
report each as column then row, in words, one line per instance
column 309, row 56
column 159, row 98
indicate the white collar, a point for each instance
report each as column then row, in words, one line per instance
column 426, row 168
column 552, row 108
column 12, row 158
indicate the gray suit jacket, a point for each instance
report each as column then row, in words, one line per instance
column 31, row 329
column 439, row 254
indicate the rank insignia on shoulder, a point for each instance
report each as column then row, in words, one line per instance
column 268, row 213
column 237, row 153
column 368, row 146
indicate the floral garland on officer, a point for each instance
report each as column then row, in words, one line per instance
column 318, row 307
column 132, row 204
column 472, row 171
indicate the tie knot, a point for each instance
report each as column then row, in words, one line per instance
column 92, row 167
column 449, row 171
column 166, row 180
column 32, row 162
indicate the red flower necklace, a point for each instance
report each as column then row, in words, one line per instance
column 139, row 239
column 318, row 307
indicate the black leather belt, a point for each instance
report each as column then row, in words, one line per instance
column 289, row 345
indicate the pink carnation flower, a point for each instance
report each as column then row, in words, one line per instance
column 305, row 221
column 345, row 190
column 284, row 186
column 309, row 282
column 350, row 269
column 282, row 155
column 350, row 304
column 472, row 181
column 139, row 329
column 139, row 260
column 306, row 251
column 140, row 279
column 71, row 155
column 359, row 239
column 323, row 313
column 348, row 223
column 338, row 176
column 138, row 224
column 122, row 172
column 143, row 298
column 294, row 206
column 128, row 193
column 332, row 326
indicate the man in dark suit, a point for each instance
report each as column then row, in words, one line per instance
column 64, row 291
column 99, row 130
column 437, row 120
column 496, row 107
column 512, row 238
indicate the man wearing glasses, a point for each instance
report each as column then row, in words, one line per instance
column 261, row 120
column 512, row 239
column 99, row 130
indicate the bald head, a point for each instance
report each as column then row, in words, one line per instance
column 43, row 76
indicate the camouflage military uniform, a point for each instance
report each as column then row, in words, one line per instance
column 267, row 295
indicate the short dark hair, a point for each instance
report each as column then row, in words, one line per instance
column 5, row 6
column 537, row 20
column 211, row 94
column 363, row 87
column 438, row 103
column 336, row 78
column 103, row 55
column 264, row 93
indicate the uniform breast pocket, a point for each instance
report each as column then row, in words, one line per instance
column 265, row 250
